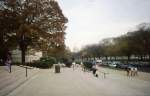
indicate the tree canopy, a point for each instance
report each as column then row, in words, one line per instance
column 38, row 24
column 136, row 42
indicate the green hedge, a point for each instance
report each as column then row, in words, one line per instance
column 88, row 65
column 78, row 62
column 44, row 62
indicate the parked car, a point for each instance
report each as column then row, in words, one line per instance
column 123, row 66
column 98, row 62
column 106, row 63
column 114, row 64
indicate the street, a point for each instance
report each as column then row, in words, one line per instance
column 78, row 83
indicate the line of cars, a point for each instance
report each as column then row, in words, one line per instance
column 115, row 64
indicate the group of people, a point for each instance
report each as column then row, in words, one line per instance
column 74, row 65
column 132, row 71
column 94, row 69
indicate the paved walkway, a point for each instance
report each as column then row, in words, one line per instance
column 141, row 75
column 10, row 81
column 78, row 83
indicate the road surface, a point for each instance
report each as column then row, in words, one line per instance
column 78, row 83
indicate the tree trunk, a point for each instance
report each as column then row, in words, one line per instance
column 23, row 51
column 148, row 59
column 128, row 59
column 23, row 59
column 23, row 56
column 141, row 58
column 106, row 58
column 115, row 58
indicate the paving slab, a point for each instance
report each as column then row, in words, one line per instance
column 78, row 83
column 10, row 81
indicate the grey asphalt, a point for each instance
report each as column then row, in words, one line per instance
column 78, row 83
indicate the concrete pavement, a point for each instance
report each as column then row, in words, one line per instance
column 10, row 81
column 78, row 83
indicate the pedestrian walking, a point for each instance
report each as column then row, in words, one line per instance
column 135, row 71
column 128, row 71
column 8, row 62
column 131, row 71
column 73, row 65
column 94, row 69
column 82, row 66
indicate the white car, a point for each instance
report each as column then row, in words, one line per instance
column 99, row 62
column 113, row 64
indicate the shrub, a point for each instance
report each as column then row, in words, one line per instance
column 67, row 62
column 44, row 62
column 16, row 63
column 88, row 65
column 78, row 62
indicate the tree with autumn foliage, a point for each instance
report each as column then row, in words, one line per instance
column 38, row 24
column 134, row 43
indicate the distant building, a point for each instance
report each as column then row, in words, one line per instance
column 30, row 56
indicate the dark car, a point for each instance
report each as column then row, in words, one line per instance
column 123, row 66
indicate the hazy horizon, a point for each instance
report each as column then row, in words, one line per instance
column 90, row 21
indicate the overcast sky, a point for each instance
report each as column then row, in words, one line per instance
column 93, row 20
